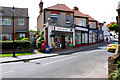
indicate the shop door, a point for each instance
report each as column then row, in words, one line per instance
column 63, row 42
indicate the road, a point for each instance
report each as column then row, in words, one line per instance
column 91, row 63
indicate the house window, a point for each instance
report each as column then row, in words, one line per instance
column 81, row 22
column 21, row 21
column 22, row 35
column 5, row 37
column 92, row 25
column 54, row 17
column 74, row 21
column 67, row 18
column 5, row 21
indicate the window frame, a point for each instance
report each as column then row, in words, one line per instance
column 53, row 16
column 67, row 18
column 81, row 22
column 19, row 24
column 7, row 21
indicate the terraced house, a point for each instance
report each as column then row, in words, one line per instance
column 21, row 23
column 67, row 28
column 59, row 29
column 86, row 29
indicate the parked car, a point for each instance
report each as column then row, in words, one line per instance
column 112, row 47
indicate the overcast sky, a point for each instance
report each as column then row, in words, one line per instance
column 101, row 10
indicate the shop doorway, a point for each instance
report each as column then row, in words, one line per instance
column 63, row 42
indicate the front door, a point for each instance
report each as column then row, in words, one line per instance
column 63, row 42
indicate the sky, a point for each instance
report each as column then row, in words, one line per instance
column 101, row 10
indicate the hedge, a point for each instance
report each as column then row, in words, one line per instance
column 18, row 43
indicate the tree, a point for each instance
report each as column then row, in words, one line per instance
column 32, row 31
column 113, row 27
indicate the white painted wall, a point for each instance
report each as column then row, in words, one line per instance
column 106, row 33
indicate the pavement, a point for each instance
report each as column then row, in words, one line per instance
column 37, row 55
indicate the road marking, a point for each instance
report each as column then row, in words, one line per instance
column 95, row 70
column 60, row 60
column 7, row 72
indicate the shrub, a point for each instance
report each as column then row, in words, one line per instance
column 19, row 38
column 22, row 38
column 25, row 39
column 18, row 43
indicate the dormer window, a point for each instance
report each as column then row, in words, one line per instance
column 67, row 18
column 54, row 17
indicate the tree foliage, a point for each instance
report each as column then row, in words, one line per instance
column 112, row 27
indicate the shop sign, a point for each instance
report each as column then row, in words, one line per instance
column 62, row 29
column 81, row 29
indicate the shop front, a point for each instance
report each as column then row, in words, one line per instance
column 81, row 36
column 92, row 36
column 60, row 37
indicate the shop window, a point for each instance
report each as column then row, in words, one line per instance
column 5, row 21
column 21, row 21
column 90, row 37
column 83, row 38
column 54, row 17
column 78, row 37
column 94, row 38
column 67, row 18
column 81, row 22
column 68, row 41
column 86, row 38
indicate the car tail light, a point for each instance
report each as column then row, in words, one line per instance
column 109, row 46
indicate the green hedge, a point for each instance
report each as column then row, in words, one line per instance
column 18, row 43
column 22, row 38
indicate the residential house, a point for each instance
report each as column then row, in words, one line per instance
column 21, row 23
column 57, row 23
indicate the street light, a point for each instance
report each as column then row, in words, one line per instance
column 13, row 10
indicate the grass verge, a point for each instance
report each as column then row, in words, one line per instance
column 16, row 54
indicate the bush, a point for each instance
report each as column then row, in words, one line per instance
column 19, row 38
column 18, row 43
column 22, row 38
column 25, row 39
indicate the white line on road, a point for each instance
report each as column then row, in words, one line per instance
column 59, row 60
column 7, row 72
column 95, row 70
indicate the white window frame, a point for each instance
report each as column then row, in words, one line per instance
column 67, row 18
column 92, row 25
column 22, row 35
column 81, row 22
column 5, row 21
column 54, row 15
column 21, row 21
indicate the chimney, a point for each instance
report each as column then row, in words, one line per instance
column 75, row 8
column 41, row 6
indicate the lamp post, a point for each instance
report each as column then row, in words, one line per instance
column 13, row 10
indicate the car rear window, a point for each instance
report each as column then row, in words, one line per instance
column 114, row 42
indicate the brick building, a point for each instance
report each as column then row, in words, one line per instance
column 59, row 29
column 21, row 23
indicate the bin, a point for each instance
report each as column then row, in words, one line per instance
column 47, row 49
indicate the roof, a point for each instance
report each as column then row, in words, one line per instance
column 62, row 7
column 90, row 18
column 19, row 12
column 78, row 13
